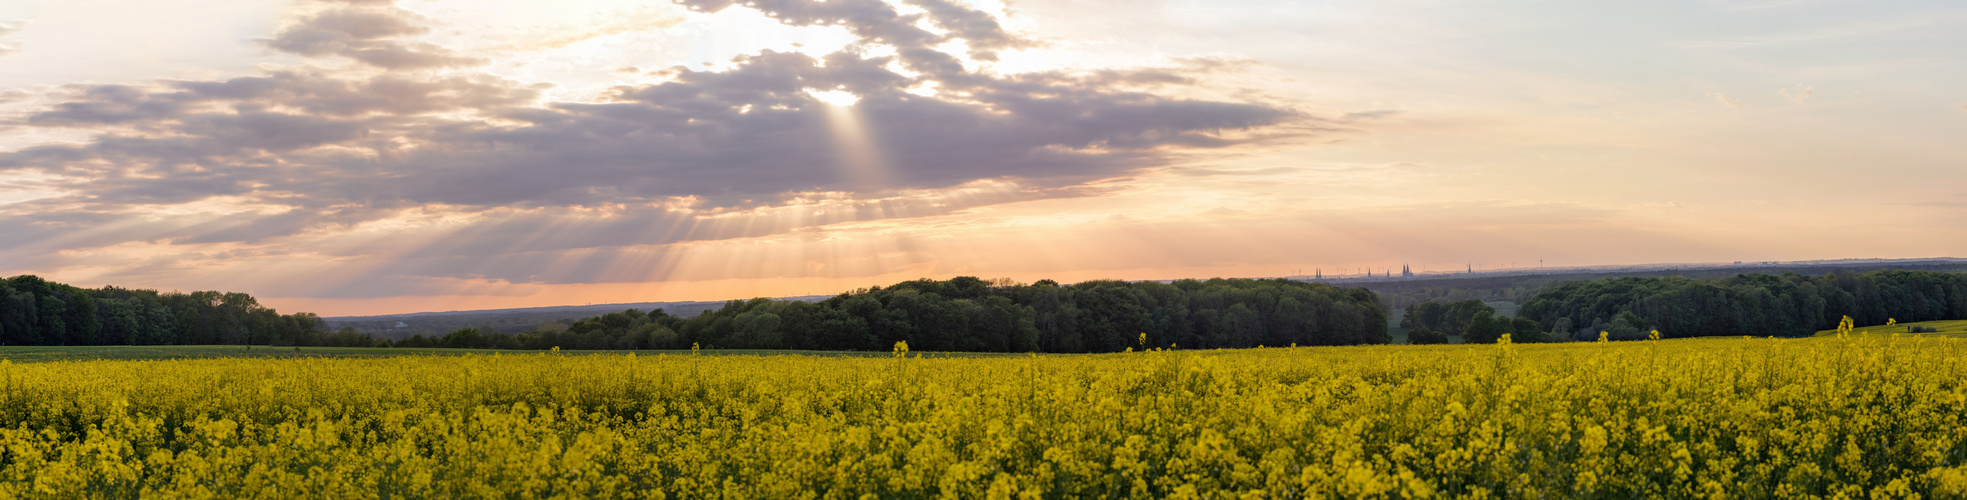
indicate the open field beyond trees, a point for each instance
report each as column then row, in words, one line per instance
column 1953, row 328
column 1748, row 418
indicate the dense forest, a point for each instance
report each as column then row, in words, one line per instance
column 1758, row 304
column 34, row 311
column 1402, row 299
column 970, row 314
column 1433, row 321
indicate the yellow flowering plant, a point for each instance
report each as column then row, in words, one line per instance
column 1686, row 418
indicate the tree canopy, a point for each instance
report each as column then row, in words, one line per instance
column 1759, row 304
column 971, row 314
column 35, row 311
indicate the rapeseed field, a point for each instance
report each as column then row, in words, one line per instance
column 1855, row 417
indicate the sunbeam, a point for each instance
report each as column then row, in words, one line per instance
column 519, row 152
column 854, row 146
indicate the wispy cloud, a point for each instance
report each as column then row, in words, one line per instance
column 1368, row 115
column 1798, row 94
column 1218, row 172
column 1933, row 203
column 1756, row 5
column 8, row 47
column 1724, row 100
column 1845, row 31
column 646, row 18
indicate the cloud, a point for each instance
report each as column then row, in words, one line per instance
column 1368, row 115
column 1218, row 63
column 1962, row 106
column 647, row 19
column 1661, row 206
column 1816, row 36
column 368, row 34
column 1798, row 94
column 8, row 28
column 1724, row 100
column 1940, row 204
column 742, row 151
column 1491, row 213
column 1219, row 172
column 1742, row 6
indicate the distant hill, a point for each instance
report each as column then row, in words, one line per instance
column 517, row 320
column 1532, row 274
column 1515, row 285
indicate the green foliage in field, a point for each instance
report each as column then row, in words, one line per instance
column 1785, row 306
column 1475, row 321
column 1452, row 318
column 1851, row 417
column 1955, row 328
column 1424, row 335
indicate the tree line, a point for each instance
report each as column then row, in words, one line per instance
column 971, row 314
column 960, row 314
column 1475, row 322
column 34, row 311
column 1762, row 305
column 1405, row 298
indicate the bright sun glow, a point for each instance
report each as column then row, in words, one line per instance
column 854, row 144
column 835, row 97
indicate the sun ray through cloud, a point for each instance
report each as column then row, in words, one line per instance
column 378, row 148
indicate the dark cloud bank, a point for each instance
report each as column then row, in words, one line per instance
column 419, row 126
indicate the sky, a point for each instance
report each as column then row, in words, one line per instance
column 351, row 157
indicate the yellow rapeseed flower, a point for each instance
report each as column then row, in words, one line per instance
column 1629, row 420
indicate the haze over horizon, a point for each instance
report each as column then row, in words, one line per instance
column 362, row 157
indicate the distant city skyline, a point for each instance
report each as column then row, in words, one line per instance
column 355, row 157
